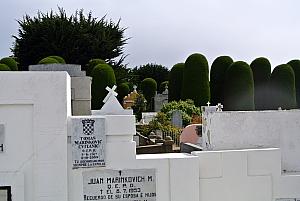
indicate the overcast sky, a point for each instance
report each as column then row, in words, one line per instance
column 167, row 31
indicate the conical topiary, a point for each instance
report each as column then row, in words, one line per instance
column 295, row 64
column 149, row 87
column 123, row 90
column 92, row 63
column 239, row 87
column 58, row 58
column 195, row 80
column 4, row 67
column 175, row 82
column 48, row 60
column 282, row 87
column 217, row 78
column 261, row 69
column 10, row 62
column 103, row 76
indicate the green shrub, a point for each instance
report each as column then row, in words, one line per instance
column 103, row 76
column 195, row 80
column 175, row 82
column 282, row 87
column 58, row 58
column 239, row 87
column 217, row 78
column 162, row 86
column 295, row 64
column 4, row 67
column 139, row 107
column 10, row 62
column 261, row 69
column 48, row 60
column 149, row 87
column 92, row 63
column 187, row 108
column 123, row 90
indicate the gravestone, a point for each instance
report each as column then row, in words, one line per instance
column 88, row 144
column 177, row 118
column 123, row 185
column 160, row 100
column 1, row 138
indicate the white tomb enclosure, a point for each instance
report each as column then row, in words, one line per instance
column 230, row 130
column 50, row 155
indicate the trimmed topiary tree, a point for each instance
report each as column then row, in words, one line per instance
column 123, row 90
column 92, row 63
column 217, row 78
column 103, row 76
column 175, row 82
column 149, row 87
column 162, row 86
column 295, row 64
column 282, row 87
column 10, row 62
column 4, row 67
column 195, row 83
column 58, row 58
column 261, row 69
column 239, row 87
column 48, row 60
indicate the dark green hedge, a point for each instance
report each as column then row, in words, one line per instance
column 239, row 87
column 217, row 78
column 103, row 76
column 295, row 64
column 195, row 80
column 282, row 87
column 261, row 69
column 175, row 82
column 123, row 90
column 92, row 63
column 48, row 60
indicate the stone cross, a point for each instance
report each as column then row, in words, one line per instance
column 134, row 87
column 208, row 103
column 219, row 107
column 111, row 92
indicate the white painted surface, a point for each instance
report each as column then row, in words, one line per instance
column 244, row 175
column 34, row 108
column 257, row 129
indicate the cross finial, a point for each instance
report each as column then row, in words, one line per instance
column 208, row 103
column 134, row 87
column 111, row 92
column 219, row 107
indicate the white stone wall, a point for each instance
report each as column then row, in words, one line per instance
column 34, row 108
column 257, row 129
column 244, row 175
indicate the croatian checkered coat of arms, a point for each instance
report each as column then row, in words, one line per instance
column 88, row 126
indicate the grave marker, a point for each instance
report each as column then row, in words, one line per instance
column 123, row 185
column 177, row 118
column 88, row 144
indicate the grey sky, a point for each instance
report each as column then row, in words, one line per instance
column 167, row 31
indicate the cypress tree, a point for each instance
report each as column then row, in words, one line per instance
column 239, row 87
column 103, row 76
column 282, row 87
column 295, row 64
column 149, row 87
column 261, row 69
column 217, row 78
column 195, row 80
column 175, row 82
column 123, row 90
column 10, row 62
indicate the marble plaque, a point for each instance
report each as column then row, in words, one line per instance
column 1, row 138
column 120, row 185
column 88, row 142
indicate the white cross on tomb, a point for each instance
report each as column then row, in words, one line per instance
column 219, row 107
column 111, row 92
column 208, row 103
